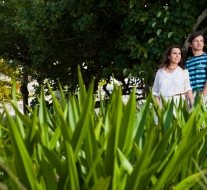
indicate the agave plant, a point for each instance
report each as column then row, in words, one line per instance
column 119, row 148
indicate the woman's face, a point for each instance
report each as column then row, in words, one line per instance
column 175, row 56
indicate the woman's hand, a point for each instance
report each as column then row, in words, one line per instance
column 190, row 97
column 158, row 101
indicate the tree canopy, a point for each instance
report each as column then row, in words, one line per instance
column 49, row 38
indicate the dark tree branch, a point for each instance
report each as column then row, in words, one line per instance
column 200, row 19
column 65, row 40
column 108, row 15
column 51, row 35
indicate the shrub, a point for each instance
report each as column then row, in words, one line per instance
column 119, row 148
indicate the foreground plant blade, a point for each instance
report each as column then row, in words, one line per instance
column 84, row 121
column 102, row 184
column 22, row 159
column 110, row 161
column 127, row 125
column 190, row 181
column 184, row 150
column 120, row 148
column 73, row 176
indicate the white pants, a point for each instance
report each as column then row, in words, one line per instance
column 176, row 100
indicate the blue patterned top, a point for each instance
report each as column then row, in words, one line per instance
column 197, row 67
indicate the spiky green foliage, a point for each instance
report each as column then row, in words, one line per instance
column 119, row 148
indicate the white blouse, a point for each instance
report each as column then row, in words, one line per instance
column 170, row 84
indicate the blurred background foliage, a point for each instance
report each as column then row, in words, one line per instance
column 7, row 74
column 49, row 38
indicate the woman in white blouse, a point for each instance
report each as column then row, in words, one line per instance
column 172, row 79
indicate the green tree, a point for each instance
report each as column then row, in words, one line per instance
column 14, row 48
column 150, row 28
column 123, row 38
column 6, row 81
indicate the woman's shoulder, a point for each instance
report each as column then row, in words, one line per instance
column 183, row 70
column 161, row 69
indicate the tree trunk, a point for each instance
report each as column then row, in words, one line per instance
column 25, row 94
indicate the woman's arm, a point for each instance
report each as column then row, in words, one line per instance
column 188, row 88
column 158, row 101
column 190, row 97
column 156, row 88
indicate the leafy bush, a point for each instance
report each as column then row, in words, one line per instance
column 119, row 148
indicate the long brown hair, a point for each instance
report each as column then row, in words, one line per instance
column 166, row 60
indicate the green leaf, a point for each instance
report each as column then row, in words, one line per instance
column 71, row 166
column 153, row 24
column 161, row 147
column 127, row 125
column 150, row 40
column 142, row 19
column 83, row 123
column 74, row 112
column 170, row 34
column 177, row 159
column 158, row 32
column 167, row 119
column 140, row 121
column 125, row 162
column 61, row 118
column 146, row 176
column 186, row 5
column 115, row 122
column 82, row 92
column 141, row 165
column 165, row 19
column 23, row 162
column 188, row 182
column 55, row 137
column 102, row 184
column 15, row 106
column 159, row 14
column 97, row 129
column 48, row 174
column 43, row 120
